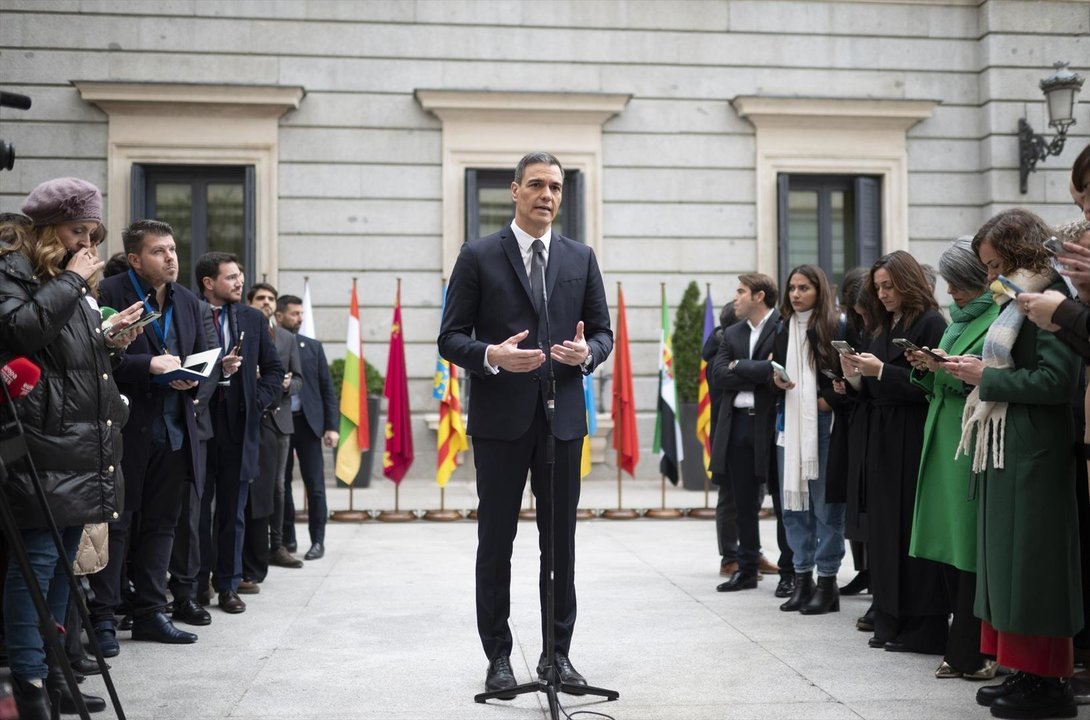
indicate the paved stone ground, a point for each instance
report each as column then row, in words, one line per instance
column 383, row 628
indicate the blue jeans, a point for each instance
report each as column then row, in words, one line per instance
column 26, row 648
column 816, row 536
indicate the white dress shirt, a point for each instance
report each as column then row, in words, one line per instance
column 525, row 240
column 745, row 399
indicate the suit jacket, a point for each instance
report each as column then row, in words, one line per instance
column 319, row 402
column 279, row 418
column 749, row 373
column 207, row 386
column 133, row 376
column 488, row 301
column 247, row 395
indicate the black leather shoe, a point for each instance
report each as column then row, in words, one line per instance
column 741, row 580
column 859, row 584
column 230, row 602
column 191, row 613
column 866, row 622
column 500, row 677
column 125, row 624
column 158, row 628
column 567, row 672
column 1037, row 697
column 61, row 696
column 990, row 693
column 292, row 547
column 804, row 588
column 786, row 586
column 826, row 598
column 876, row 643
column 30, row 700
column 106, row 634
column 316, row 552
column 87, row 666
column 894, row 646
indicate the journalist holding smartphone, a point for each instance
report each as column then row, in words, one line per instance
column 72, row 419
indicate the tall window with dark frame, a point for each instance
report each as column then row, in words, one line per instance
column 211, row 207
column 489, row 207
column 833, row 221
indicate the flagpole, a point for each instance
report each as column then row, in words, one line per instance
column 620, row 512
column 707, row 512
column 442, row 514
column 661, row 512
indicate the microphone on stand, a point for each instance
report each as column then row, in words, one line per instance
column 20, row 376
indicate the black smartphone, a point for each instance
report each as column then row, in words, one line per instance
column 1053, row 245
column 843, row 348
column 145, row 319
column 830, row 374
column 238, row 345
column 906, row 344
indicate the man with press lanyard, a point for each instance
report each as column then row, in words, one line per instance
column 160, row 439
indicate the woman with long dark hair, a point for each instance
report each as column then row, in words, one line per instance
column 814, row 527
column 910, row 607
column 1019, row 430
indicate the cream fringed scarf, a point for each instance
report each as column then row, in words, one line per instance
column 801, row 464
column 984, row 423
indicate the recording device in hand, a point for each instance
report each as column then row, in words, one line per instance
column 7, row 150
column 1053, row 245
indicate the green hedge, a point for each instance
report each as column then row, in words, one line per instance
column 688, row 341
column 375, row 382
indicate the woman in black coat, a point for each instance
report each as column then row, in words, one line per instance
column 71, row 419
column 910, row 606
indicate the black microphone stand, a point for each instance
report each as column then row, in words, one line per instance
column 549, row 681
column 13, row 449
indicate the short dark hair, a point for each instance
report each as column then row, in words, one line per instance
column 133, row 236
column 283, row 301
column 536, row 158
column 261, row 286
column 117, row 264
column 208, row 266
column 759, row 282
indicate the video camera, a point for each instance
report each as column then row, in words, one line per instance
column 7, row 150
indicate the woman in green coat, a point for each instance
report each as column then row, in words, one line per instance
column 1019, row 429
column 945, row 518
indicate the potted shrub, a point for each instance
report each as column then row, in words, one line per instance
column 375, row 387
column 688, row 340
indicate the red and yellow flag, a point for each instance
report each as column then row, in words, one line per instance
column 355, row 426
column 452, row 434
column 398, row 456
column 703, row 396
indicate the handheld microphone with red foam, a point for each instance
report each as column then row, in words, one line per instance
column 20, row 375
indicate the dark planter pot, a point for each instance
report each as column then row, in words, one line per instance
column 367, row 458
column 692, row 465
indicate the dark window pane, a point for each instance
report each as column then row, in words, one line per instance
column 225, row 219
column 802, row 236
column 495, row 208
column 172, row 205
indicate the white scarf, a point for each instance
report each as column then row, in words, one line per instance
column 985, row 421
column 800, row 452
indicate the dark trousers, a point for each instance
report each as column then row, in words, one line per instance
column 501, row 478
column 255, row 549
column 185, row 557
column 963, row 641
column 276, row 520
column 726, row 519
column 746, row 488
column 221, row 553
column 921, row 633
column 308, row 447
column 786, row 561
column 859, row 555
column 152, row 536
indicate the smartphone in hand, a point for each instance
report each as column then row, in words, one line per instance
column 238, row 345
column 830, row 374
column 1009, row 286
column 843, row 348
column 783, row 372
column 906, row 344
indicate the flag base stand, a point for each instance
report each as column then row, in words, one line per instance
column 442, row 514
column 664, row 513
column 397, row 514
column 471, row 515
column 702, row 513
column 584, row 514
column 528, row 513
column 620, row 514
column 301, row 516
column 351, row 515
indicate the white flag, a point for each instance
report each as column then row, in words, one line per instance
column 307, row 328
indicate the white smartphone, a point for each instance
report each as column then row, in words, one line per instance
column 780, row 369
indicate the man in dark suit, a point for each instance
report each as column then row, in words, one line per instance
column 744, row 440
column 161, row 447
column 494, row 327
column 250, row 384
column 267, row 490
column 315, row 415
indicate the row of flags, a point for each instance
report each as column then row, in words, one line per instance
column 398, row 455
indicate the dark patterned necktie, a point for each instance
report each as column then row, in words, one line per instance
column 537, row 274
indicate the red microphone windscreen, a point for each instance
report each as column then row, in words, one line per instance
column 20, row 375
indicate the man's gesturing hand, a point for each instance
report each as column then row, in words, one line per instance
column 510, row 357
column 572, row 352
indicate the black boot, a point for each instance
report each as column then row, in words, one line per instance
column 859, row 584
column 804, row 588
column 826, row 598
column 1037, row 697
column 60, row 695
column 30, row 699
